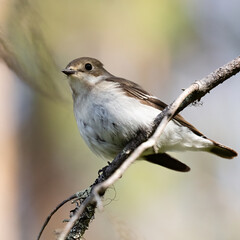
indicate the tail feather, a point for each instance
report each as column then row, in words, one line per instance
column 167, row 161
column 222, row 151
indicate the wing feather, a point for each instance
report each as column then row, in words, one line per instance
column 134, row 90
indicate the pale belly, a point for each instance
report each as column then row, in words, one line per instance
column 107, row 139
column 107, row 126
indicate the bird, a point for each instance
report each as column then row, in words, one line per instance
column 110, row 111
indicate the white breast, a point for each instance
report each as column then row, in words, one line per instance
column 107, row 119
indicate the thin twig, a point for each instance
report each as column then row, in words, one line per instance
column 53, row 212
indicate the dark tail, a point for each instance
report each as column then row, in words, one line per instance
column 167, row 161
column 222, row 151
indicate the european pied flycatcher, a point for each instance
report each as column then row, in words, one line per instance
column 110, row 111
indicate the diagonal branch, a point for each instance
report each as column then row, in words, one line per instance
column 145, row 140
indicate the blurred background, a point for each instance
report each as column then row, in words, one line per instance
column 162, row 45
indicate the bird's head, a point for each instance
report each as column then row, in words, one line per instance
column 85, row 70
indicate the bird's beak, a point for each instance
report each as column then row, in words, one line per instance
column 68, row 72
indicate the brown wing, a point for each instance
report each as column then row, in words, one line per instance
column 178, row 117
column 134, row 90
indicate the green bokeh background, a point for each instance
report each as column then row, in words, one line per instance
column 162, row 45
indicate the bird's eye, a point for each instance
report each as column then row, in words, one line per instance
column 88, row 66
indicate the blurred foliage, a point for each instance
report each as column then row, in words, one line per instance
column 162, row 44
column 25, row 51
